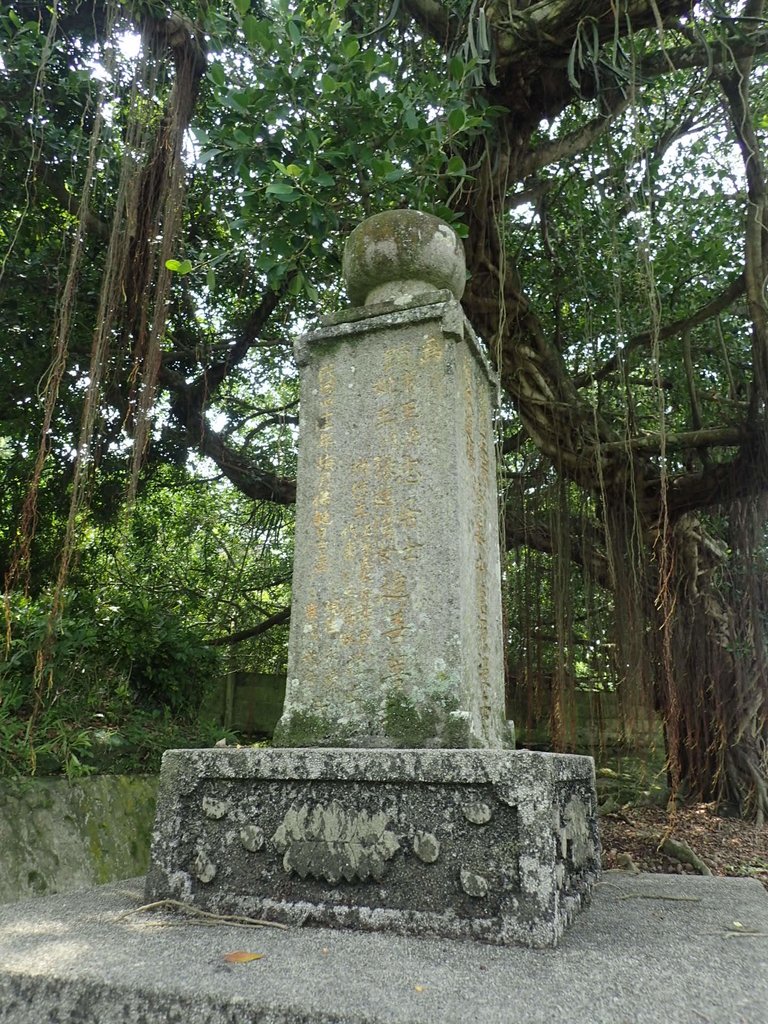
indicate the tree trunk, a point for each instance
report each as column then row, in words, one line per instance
column 713, row 689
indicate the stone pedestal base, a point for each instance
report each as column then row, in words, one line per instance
column 497, row 845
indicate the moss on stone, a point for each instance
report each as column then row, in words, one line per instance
column 428, row 722
column 457, row 732
column 57, row 835
column 406, row 724
column 304, row 729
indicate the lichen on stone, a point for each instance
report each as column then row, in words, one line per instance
column 477, row 812
column 213, row 808
column 305, row 729
column 426, row 846
column 205, row 869
column 473, row 884
column 252, row 838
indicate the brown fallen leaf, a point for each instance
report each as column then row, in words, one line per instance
column 241, row 957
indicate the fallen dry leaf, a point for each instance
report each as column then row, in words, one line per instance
column 241, row 957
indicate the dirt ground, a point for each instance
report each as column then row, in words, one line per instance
column 632, row 839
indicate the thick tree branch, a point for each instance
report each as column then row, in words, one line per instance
column 207, row 382
column 575, row 142
column 52, row 176
column 243, row 471
column 190, row 402
column 547, row 26
column 720, row 484
column 715, row 437
column 534, row 189
column 588, row 554
column 715, row 53
column 436, row 20
column 736, row 89
column 247, row 634
column 255, row 482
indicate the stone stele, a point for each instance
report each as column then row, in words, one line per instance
column 396, row 632
column 395, row 654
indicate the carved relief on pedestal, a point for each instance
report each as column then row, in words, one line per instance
column 332, row 843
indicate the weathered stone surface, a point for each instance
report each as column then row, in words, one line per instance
column 381, row 839
column 396, row 634
column 214, row 808
column 477, row 812
column 398, row 255
column 205, row 869
column 331, row 843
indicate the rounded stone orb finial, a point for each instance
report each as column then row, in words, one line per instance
column 399, row 254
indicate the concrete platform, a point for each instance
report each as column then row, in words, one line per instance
column 652, row 949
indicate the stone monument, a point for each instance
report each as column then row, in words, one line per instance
column 391, row 799
column 396, row 635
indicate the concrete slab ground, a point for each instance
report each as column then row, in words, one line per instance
column 651, row 949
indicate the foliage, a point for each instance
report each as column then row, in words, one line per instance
column 117, row 678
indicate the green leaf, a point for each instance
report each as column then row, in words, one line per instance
column 179, row 266
column 206, row 156
column 456, row 68
column 252, row 29
column 457, row 119
column 350, row 48
column 294, row 31
column 293, row 171
column 210, row 280
column 456, row 166
column 217, row 74
column 328, row 84
column 243, row 6
column 411, row 119
column 282, row 191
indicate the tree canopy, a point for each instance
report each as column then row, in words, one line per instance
column 178, row 184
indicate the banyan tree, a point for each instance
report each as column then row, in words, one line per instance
column 191, row 173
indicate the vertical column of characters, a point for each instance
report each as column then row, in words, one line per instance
column 478, row 466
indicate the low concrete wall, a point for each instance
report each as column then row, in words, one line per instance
column 591, row 721
column 57, row 835
column 248, row 702
column 251, row 703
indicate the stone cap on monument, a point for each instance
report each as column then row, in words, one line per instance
column 398, row 255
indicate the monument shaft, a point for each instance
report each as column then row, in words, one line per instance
column 396, row 636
